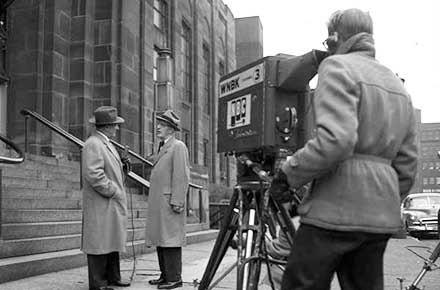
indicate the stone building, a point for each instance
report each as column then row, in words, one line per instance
column 67, row 57
column 64, row 58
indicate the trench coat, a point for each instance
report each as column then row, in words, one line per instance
column 169, row 184
column 104, row 198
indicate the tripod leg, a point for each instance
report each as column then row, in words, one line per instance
column 427, row 267
column 221, row 244
column 283, row 219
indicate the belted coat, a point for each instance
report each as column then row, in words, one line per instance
column 104, row 198
column 169, row 184
column 363, row 158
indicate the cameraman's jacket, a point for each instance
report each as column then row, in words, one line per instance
column 363, row 158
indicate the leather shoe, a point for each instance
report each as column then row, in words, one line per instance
column 157, row 281
column 119, row 283
column 170, row 285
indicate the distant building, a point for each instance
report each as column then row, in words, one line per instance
column 249, row 40
column 429, row 160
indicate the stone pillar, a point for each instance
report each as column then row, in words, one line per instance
column 38, row 52
column 3, row 107
column 165, row 96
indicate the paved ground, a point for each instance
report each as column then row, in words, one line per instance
column 399, row 263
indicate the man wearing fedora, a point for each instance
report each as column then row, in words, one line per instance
column 166, row 202
column 104, row 202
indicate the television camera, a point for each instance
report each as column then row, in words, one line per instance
column 263, row 117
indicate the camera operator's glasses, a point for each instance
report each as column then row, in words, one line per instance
column 325, row 43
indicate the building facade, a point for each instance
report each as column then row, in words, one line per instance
column 67, row 57
column 249, row 36
column 429, row 160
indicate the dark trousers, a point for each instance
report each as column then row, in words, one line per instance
column 356, row 257
column 170, row 263
column 103, row 269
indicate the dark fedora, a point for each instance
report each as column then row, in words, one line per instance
column 170, row 118
column 106, row 115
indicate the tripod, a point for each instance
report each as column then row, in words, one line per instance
column 250, row 212
column 429, row 265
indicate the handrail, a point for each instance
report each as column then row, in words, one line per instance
column 80, row 144
column 11, row 160
column 73, row 139
column 137, row 156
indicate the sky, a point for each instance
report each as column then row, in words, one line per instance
column 406, row 34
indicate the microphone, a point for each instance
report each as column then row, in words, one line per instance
column 125, row 159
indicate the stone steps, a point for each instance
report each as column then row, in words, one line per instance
column 41, row 218
column 15, row 203
column 46, row 203
column 21, row 247
column 51, row 215
column 15, row 268
column 21, row 191
column 39, row 183
column 15, row 231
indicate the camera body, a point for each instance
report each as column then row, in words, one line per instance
column 264, row 108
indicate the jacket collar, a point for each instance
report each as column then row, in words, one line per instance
column 165, row 148
column 362, row 42
column 109, row 145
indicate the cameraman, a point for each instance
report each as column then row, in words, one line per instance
column 362, row 160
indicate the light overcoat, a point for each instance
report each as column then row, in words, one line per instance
column 104, row 198
column 169, row 184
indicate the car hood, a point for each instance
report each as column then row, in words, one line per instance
column 422, row 212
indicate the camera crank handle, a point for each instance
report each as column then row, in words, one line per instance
column 256, row 168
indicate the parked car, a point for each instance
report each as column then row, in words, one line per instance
column 420, row 213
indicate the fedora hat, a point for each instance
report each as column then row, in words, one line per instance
column 106, row 115
column 170, row 118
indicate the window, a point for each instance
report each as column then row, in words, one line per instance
column 434, row 200
column 161, row 20
column 205, row 152
column 186, row 63
column 206, row 80
column 425, row 181
column 419, row 202
column 431, row 180
column 78, row 7
column 160, row 14
column 155, row 67
column 437, row 180
column 221, row 68
column 186, row 138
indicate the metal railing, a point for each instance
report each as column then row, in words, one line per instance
column 28, row 113
column 11, row 160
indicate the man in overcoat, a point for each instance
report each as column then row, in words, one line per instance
column 166, row 217
column 104, row 202
column 362, row 160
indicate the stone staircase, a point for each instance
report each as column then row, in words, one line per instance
column 41, row 218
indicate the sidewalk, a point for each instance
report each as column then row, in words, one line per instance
column 195, row 257
column 398, row 263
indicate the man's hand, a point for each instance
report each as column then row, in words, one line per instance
column 126, row 163
column 279, row 188
column 176, row 208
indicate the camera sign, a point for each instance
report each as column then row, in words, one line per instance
column 239, row 112
column 242, row 80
